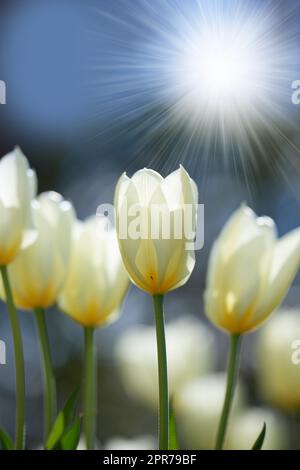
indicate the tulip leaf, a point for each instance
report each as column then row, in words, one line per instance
column 260, row 440
column 69, row 441
column 63, row 421
column 173, row 444
column 6, row 443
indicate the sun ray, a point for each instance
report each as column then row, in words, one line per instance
column 206, row 83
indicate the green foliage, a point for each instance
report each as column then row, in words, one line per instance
column 260, row 440
column 70, row 439
column 66, row 429
column 6, row 442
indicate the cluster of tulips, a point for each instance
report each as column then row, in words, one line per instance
column 48, row 257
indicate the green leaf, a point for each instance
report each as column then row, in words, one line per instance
column 6, row 443
column 63, row 421
column 70, row 439
column 260, row 440
column 173, row 444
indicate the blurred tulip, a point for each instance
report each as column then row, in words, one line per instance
column 278, row 375
column 246, row 427
column 197, row 409
column 250, row 271
column 190, row 352
column 96, row 281
column 38, row 272
column 156, row 219
column 82, row 444
column 138, row 443
column 17, row 189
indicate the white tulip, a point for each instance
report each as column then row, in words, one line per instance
column 278, row 360
column 38, row 272
column 96, row 281
column 250, row 271
column 17, row 189
column 156, row 220
column 246, row 427
column 190, row 352
column 198, row 407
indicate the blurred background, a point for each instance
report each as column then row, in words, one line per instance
column 95, row 88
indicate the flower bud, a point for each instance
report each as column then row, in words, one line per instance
column 156, row 220
column 38, row 272
column 250, row 271
column 96, row 281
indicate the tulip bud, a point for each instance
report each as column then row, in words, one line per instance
column 17, row 188
column 156, row 220
column 247, row 425
column 250, row 271
column 96, row 281
column 278, row 372
column 190, row 352
column 39, row 270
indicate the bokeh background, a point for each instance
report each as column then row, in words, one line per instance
column 83, row 105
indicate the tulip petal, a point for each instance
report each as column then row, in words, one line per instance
column 241, row 227
column 37, row 273
column 32, row 182
column 13, row 178
column 96, row 282
column 59, row 215
column 147, row 263
column 184, row 269
column 179, row 189
column 237, row 268
column 120, row 190
column 284, row 267
column 145, row 182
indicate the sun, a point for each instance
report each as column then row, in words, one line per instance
column 206, row 83
column 222, row 72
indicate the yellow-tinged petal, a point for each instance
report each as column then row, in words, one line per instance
column 284, row 266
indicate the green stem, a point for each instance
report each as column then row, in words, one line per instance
column 49, row 377
column 232, row 369
column 162, row 373
column 89, row 398
column 19, row 361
